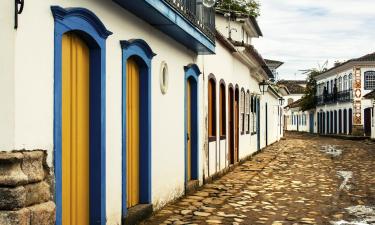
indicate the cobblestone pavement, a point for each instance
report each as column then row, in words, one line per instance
column 295, row 181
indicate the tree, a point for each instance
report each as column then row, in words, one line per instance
column 249, row 7
column 308, row 100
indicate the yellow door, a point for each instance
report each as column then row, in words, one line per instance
column 132, row 133
column 75, row 130
column 188, row 94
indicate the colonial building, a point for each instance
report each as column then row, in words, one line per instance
column 295, row 89
column 127, row 105
column 342, row 106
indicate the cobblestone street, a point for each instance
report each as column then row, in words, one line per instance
column 303, row 179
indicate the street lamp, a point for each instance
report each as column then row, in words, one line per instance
column 209, row 3
column 281, row 101
column 263, row 86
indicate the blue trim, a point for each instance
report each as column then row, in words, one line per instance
column 192, row 73
column 92, row 31
column 142, row 53
column 164, row 17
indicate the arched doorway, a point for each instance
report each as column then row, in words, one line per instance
column 236, row 123
column 79, row 109
column 350, row 121
column 340, row 121
column 367, row 121
column 136, row 127
column 345, row 121
column 335, row 124
column 231, row 123
column 191, row 123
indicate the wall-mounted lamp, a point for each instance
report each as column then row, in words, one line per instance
column 263, row 86
column 18, row 8
column 281, row 101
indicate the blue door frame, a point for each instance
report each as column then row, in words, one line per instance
column 89, row 27
column 143, row 54
column 192, row 73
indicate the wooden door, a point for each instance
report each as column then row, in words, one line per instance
column 367, row 121
column 132, row 133
column 237, row 127
column 231, row 126
column 75, row 130
column 188, row 127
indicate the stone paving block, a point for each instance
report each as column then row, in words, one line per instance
column 37, row 193
column 12, row 198
column 11, row 173
column 20, row 217
column 42, row 214
column 32, row 165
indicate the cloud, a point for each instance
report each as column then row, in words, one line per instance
column 305, row 33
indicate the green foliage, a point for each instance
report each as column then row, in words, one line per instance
column 308, row 100
column 243, row 6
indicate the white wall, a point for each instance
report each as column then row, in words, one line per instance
column 26, row 90
column 7, row 56
column 34, row 95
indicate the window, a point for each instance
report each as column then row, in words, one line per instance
column 242, row 111
column 331, row 86
column 247, row 112
column 345, row 83
column 370, row 80
column 222, row 108
column 339, row 87
column 211, row 108
column 350, row 82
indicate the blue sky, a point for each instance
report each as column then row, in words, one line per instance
column 305, row 33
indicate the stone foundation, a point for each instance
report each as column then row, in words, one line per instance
column 25, row 193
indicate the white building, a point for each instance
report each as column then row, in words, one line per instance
column 295, row 90
column 133, row 93
column 342, row 108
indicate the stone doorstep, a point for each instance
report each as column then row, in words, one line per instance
column 191, row 187
column 42, row 214
column 137, row 214
column 12, row 198
column 21, row 167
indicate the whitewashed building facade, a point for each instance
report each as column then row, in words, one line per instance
column 133, row 92
column 341, row 106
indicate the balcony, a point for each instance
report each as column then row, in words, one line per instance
column 186, row 21
column 337, row 97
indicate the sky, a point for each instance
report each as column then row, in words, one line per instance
column 305, row 33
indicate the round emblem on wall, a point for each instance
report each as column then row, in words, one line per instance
column 164, row 79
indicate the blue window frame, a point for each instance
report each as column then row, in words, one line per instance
column 89, row 27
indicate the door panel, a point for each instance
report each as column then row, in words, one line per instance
column 367, row 121
column 75, row 130
column 231, row 126
column 236, row 130
column 189, row 135
column 132, row 133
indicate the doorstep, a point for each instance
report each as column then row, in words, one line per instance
column 137, row 214
column 191, row 186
